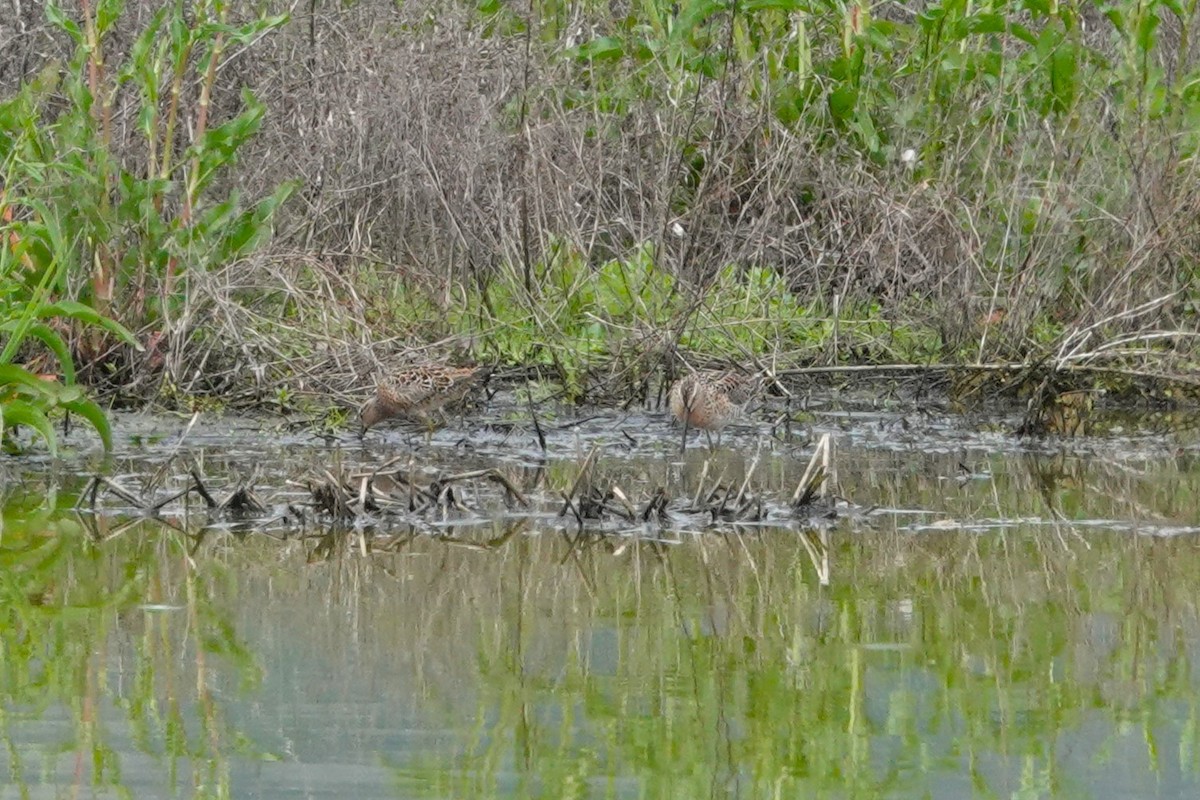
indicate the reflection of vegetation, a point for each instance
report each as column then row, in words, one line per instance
column 721, row 666
column 135, row 624
column 1032, row 660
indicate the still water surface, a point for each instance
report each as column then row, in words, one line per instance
column 996, row 619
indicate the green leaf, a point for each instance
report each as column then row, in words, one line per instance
column 219, row 145
column 986, row 23
column 181, row 38
column 253, row 227
column 87, row 314
column 141, row 55
column 694, row 13
column 210, row 223
column 1146, row 35
column 12, row 375
column 1023, row 33
column 787, row 6
column 95, row 415
column 788, row 102
column 246, row 34
column 1063, row 68
column 931, row 18
column 57, row 18
column 842, row 101
column 1116, row 16
column 108, row 12
column 19, row 412
column 865, row 127
column 32, row 245
column 1047, row 42
column 49, row 337
column 602, row 48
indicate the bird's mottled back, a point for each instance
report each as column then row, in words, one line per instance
column 710, row 400
column 414, row 391
column 740, row 388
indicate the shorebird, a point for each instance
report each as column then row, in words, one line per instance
column 413, row 392
column 710, row 400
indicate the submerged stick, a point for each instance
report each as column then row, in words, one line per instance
column 814, row 475
column 657, row 506
column 362, row 493
column 123, row 493
column 499, row 477
column 629, row 510
column 583, row 472
column 818, row 554
column 88, row 493
column 492, row 474
column 537, row 426
column 201, row 490
column 749, row 474
column 568, row 504
column 700, row 484
column 161, row 503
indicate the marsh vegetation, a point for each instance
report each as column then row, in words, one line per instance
column 277, row 201
column 949, row 551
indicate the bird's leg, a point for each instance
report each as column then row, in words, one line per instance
column 683, row 441
column 710, row 439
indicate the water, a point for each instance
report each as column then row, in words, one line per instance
column 992, row 618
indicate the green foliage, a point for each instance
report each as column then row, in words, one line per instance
column 138, row 227
column 33, row 262
column 951, row 71
column 75, row 222
column 751, row 310
column 1031, row 114
column 581, row 316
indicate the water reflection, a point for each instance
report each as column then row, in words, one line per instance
column 114, row 659
column 995, row 627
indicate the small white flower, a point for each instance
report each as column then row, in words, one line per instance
column 677, row 229
column 909, row 156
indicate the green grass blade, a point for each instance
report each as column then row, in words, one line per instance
column 18, row 412
column 95, row 415
column 75, row 310
column 49, row 337
column 10, row 374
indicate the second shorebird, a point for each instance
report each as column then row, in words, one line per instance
column 710, row 400
column 413, row 392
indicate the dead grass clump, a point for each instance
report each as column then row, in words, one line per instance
column 391, row 490
column 153, row 497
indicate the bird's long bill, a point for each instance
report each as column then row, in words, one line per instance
column 366, row 418
column 683, row 441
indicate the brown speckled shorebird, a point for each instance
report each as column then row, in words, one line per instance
column 710, row 400
column 413, row 392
